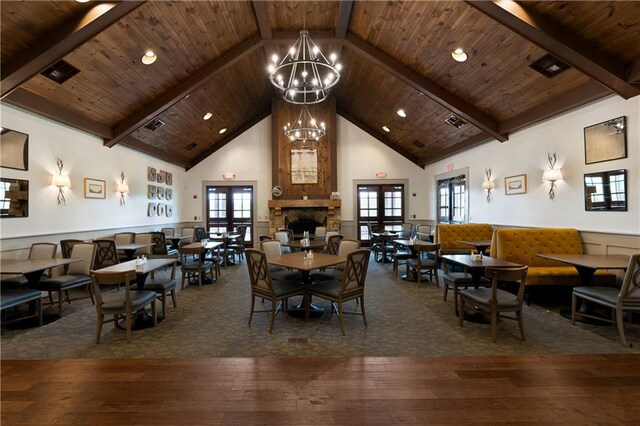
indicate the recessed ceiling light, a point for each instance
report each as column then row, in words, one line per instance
column 386, row 129
column 207, row 116
column 459, row 55
column 82, row 1
column 224, row 129
column 401, row 113
column 149, row 57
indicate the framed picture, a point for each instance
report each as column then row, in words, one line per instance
column 168, row 194
column 605, row 141
column 169, row 210
column 14, row 149
column 151, row 174
column 152, row 209
column 14, row 197
column 151, row 192
column 605, row 191
column 515, row 185
column 95, row 188
column 160, row 193
column 168, row 179
column 162, row 175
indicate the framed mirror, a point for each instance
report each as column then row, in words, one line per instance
column 606, row 191
column 14, row 149
column 606, row 141
column 14, row 198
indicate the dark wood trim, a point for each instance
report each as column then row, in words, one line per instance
column 275, row 156
column 177, row 93
column 138, row 145
column 61, row 41
column 231, row 136
column 263, row 20
column 471, row 142
column 333, row 145
column 464, row 110
column 380, row 137
column 634, row 72
column 344, row 16
column 560, row 42
column 290, row 36
column 588, row 92
column 36, row 104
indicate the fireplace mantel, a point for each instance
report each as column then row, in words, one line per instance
column 300, row 204
column 295, row 207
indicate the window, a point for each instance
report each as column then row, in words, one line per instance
column 381, row 205
column 229, row 207
column 452, row 200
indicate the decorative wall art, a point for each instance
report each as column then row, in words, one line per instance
column 151, row 192
column 14, row 198
column 151, row 174
column 160, row 191
column 169, row 179
column 304, row 166
column 161, row 209
column 14, row 149
column 168, row 194
column 95, row 188
column 162, row 175
column 606, row 141
column 515, row 184
column 152, row 209
column 169, row 210
column 606, row 191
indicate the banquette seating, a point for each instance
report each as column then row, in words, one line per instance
column 522, row 246
column 448, row 235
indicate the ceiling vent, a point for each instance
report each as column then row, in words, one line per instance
column 154, row 125
column 418, row 144
column 60, row 72
column 549, row 66
column 191, row 146
column 455, row 121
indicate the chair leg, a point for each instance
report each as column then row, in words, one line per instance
column 435, row 272
column 60, row 303
column 446, row 290
column 461, row 311
column 39, row 307
column 340, row 318
column 100, row 320
column 573, row 308
column 153, row 312
column 273, row 314
column 128, row 325
column 620, row 324
column 364, row 316
column 494, row 324
column 174, row 298
column 253, row 306
column 163, row 300
column 520, row 324
column 182, row 281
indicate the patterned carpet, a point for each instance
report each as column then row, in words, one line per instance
column 405, row 319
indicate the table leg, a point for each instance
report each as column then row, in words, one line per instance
column 299, row 311
column 142, row 319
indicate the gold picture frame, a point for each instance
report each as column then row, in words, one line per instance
column 95, row 188
column 516, row 184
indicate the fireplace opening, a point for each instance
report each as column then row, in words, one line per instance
column 302, row 224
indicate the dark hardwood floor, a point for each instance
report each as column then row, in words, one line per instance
column 420, row 390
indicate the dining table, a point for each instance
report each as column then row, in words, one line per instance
column 143, row 319
column 305, row 264
column 131, row 248
column 176, row 240
column 225, row 238
column 384, row 237
column 205, row 247
column 412, row 246
column 301, row 245
column 32, row 269
column 480, row 245
column 588, row 264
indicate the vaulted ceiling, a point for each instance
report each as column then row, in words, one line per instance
column 212, row 57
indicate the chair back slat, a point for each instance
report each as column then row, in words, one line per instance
column 124, row 237
column 143, row 238
column 497, row 275
column 106, row 254
column 67, row 245
column 347, row 246
column 259, row 273
column 355, row 270
column 333, row 244
column 271, row 248
column 43, row 251
column 111, row 279
column 86, row 252
column 169, row 232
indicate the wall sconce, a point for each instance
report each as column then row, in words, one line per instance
column 123, row 188
column 552, row 174
column 61, row 181
column 488, row 184
column 229, row 176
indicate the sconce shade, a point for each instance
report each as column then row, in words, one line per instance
column 488, row 185
column 61, row 181
column 551, row 175
column 123, row 188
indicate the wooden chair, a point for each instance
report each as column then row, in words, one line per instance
column 283, row 237
column 106, row 254
column 333, row 244
column 120, row 304
column 123, row 238
column 456, row 280
column 262, row 286
column 350, row 287
column 625, row 299
column 262, row 238
column 187, row 232
column 164, row 289
column 168, row 232
column 406, row 231
column 199, row 234
column 496, row 301
column 236, row 247
column 194, row 265
column 67, row 245
column 320, row 232
column 37, row 251
column 424, row 263
column 77, row 274
column 400, row 253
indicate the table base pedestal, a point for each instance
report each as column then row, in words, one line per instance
column 141, row 321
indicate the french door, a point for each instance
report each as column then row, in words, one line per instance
column 229, row 207
column 452, row 200
column 381, row 205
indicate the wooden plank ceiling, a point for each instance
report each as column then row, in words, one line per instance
column 395, row 54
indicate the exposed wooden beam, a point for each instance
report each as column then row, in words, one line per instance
column 286, row 37
column 560, row 42
column 138, row 145
column 634, row 72
column 29, row 101
column 464, row 110
column 61, row 41
column 459, row 147
column 263, row 20
column 344, row 16
column 588, row 92
column 382, row 138
column 231, row 136
column 177, row 93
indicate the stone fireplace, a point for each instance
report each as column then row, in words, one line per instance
column 305, row 214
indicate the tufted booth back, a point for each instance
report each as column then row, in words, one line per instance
column 447, row 235
column 522, row 245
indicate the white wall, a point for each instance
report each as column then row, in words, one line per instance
column 526, row 153
column 84, row 156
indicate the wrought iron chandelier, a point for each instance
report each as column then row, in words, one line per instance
column 305, row 128
column 304, row 76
